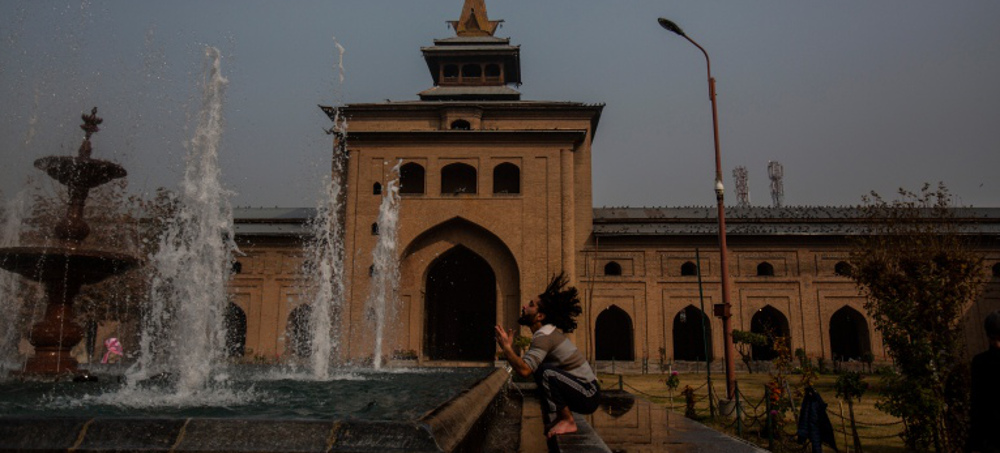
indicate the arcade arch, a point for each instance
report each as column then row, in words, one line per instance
column 849, row 337
column 298, row 332
column 689, row 336
column 613, row 335
column 235, row 320
column 464, row 254
column 770, row 322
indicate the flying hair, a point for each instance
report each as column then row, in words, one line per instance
column 560, row 303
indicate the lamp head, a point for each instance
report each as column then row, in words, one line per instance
column 669, row 25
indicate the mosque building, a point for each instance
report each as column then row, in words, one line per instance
column 496, row 198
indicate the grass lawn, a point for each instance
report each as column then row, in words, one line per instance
column 878, row 431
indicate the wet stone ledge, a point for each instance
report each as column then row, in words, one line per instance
column 448, row 428
column 215, row 435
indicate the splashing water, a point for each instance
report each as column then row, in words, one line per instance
column 324, row 267
column 325, row 270
column 384, row 288
column 11, row 220
column 184, row 332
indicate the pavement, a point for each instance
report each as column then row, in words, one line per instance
column 626, row 423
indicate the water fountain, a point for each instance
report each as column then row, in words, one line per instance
column 66, row 265
column 184, row 402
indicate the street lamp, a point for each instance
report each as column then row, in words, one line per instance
column 723, row 310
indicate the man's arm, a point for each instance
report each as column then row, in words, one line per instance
column 505, row 339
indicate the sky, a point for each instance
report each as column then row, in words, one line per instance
column 849, row 96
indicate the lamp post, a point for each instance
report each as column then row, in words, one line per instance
column 723, row 310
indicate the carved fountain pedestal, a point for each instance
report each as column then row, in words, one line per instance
column 65, row 266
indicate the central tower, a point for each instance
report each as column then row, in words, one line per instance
column 474, row 64
column 496, row 198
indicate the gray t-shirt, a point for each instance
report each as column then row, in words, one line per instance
column 549, row 345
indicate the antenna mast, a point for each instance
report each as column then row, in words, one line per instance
column 742, row 190
column 775, row 171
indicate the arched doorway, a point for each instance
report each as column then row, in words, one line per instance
column 236, row 330
column 613, row 335
column 849, row 335
column 461, row 304
column 768, row 321
column 298, row 331
column 689, row 338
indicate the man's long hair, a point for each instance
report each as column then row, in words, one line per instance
column 560, row 304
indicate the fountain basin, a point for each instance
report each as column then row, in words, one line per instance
column 423, row 411
column 83, row 265
column 81, row 172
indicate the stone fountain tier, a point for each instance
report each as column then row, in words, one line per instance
column 80, row 172
column 85, row 266
column 62, row 270
column 67, row 265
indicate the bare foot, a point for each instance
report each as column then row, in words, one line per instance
column 563, row 426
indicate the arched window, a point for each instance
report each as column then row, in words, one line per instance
column 458, row 178
column 450, row 71
column 493, row 71
column 613, row 335
column 375, row 229
column 996, row 270
column 411, row 179
column 506, row 178
column 765, row 269
column 377, row 189
column 235, row 320
column 460, row 125
column 612, row 268
column 771, row 323
column 849, row 337
column 299, row 332
column 472, row 71
column 692, row 335
column 842, row 269
column 689, row 269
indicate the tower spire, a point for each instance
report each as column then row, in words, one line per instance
column 474, row 20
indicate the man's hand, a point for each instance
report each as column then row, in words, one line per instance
column 505, row 339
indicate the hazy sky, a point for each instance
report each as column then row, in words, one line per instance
column 850, row 96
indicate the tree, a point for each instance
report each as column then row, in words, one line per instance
column 744, row 342
column 918, row 275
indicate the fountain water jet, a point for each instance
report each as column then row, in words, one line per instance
column 324, row 267
column 183, row 332
column 385, row 271
column 65, row 266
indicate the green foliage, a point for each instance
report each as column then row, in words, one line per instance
column 778, row 402
column 744, row 341
column 673, row 381
column 804, row 361
column 918, row 275
column 521, row 344
column 850, row 386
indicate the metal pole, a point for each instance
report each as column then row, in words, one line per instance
column 704, row 328
column 725, row 311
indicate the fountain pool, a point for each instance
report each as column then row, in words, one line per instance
column 266, row 410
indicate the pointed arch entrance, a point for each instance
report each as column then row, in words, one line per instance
column 849, row 335
column 770, row 322
column 613, row 335
column 689, row 336
column 461, row 301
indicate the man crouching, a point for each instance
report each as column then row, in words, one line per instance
column 564, row 377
